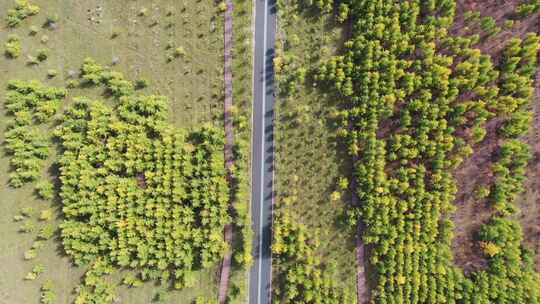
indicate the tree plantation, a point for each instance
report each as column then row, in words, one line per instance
column 136, row 192
column 416, row 100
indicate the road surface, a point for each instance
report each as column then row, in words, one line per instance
column 260, row 277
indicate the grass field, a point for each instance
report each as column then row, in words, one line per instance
column 144, row 30
column 309, row 157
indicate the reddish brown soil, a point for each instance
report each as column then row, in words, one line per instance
column 475, row 171
column 530, row 200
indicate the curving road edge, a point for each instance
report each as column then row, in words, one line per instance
column 260, row 275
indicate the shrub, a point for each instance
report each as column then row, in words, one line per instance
column 36, row 271
column 30, row 254
column 222, row 6
column 52, row 20
column 52, row 73
column 45, row 190
column 21, row 11
column 517, row 124
column 46, row 215
column 143, row 12
column 141, row 83
column 44, row 39
column 42, row 54
column 482, row 192
column 33, row 30
column 48, row 296
column 179, row 52
column 47, row 232
column 27, row 211
column 31, row 60
column 27, row 227
column 13, row 46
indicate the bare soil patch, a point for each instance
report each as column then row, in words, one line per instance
column 475, row 171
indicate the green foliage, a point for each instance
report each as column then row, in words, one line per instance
column 306, row 280
column 33, row 30
column 47, row 232
column 136, row 192
column 179, row 52
column 48, row 296
column 325, row 6
column 115, row 83
column 141, row 84
column 13, row 46
column 42, row 55
column 45, row 190
column 29, row 103
column 517, row 124
column 27, row 211
column 21, row 11
column 488, row 25
column 404, row 180
column 30, row 254
column 132, row 281
column 27, row 227
column 161, row 297
column 46, row 215
column 52, row 73
column 36, row 271
column 528, row 8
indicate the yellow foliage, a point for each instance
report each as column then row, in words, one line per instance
column 490, row 249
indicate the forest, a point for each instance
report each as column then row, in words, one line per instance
column 416, row 98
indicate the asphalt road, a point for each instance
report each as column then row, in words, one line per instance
column 260, row 278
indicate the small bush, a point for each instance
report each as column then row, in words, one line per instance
column 72, row 83
column 27, row 211
column 44, row 39
column 13, row 46
column 37, row 245
column 30, row 254
column 482, row 192
column 47, row 232
column 45, row 190
column 21, row 11
column 48, row 296
column 222, row 7
column 36, row 271
column 179, row 52
column 46, row 215
column 42, row 55
column 31, row 60
column 27, row 227
column 141, row 84
column 52, row 73
column 115, row 32
column 51, row 20
column 33, row 30
column 143, row 12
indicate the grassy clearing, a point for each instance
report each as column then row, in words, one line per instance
column 309, row 158
column 140, row 49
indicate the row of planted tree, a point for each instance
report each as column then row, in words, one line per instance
column 418, row 100
column 136, row 192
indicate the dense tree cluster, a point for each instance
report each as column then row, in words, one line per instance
column 418, row 100
column 136, row 192
column 528, row 7
column 241, row 193
column 30, row 104
column 20, row 11
column 305, row 279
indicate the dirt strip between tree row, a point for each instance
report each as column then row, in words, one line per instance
column 228, row 150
